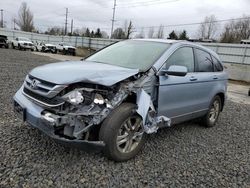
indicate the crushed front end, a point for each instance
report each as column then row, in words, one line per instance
column 73, row 113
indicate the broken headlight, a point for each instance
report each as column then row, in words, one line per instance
column 74, row 97
column 98, row 99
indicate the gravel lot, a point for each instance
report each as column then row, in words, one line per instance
column 185, row 155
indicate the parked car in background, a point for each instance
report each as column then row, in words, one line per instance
column 22, row 43
column 3, row 41
column 45, row 47
column 65, row 48
column 116, row 96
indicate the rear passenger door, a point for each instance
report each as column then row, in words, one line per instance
column 206, row 77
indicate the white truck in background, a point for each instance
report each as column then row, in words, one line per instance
column 65, row 48
column 22, row 43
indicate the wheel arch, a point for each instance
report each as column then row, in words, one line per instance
column 222, row 97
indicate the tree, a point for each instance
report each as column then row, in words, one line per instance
column 87, row 33
column 98, row 33
column 160, row 33
column 128, row 29
column 235, row 31
column 208, row 27
column 151, row 32
column 118, row 34
column 55, row 31
column 92, row 34
column 104, row 35
column 183, row 35
column 25, row 18
column 173, row 36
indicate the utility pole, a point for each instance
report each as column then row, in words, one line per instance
column 71, row 27
column 1, row 18
column 113, row 19
column 66, row 22
column 14, row 20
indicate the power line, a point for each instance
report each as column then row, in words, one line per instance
column 196, row 23
column 148, row 3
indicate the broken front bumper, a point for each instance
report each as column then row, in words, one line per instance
column 32, row 114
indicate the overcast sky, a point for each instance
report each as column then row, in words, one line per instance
column 98, row 13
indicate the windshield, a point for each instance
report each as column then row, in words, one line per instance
column 23, row 39
column 131, row 54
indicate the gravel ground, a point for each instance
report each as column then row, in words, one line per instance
column 185, row 155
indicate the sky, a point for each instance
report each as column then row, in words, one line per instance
column 143, row 13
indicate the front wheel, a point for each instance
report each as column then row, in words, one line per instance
column 211, row 118
column 122, row 133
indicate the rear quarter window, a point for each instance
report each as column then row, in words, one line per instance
column 217, row 65
column 204, row 61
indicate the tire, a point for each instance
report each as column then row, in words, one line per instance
column 117, row 124
column 249, row 92
column 74, row 53
column 12, row 45
column 64, row 52
column 211, row 118
column 19, row 47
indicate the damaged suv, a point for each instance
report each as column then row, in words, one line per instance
column 112, row 99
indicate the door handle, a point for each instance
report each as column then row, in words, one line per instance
column 192, row 78
column 215, row 77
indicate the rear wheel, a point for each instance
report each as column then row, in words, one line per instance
column 211, row 118
column 123, row 133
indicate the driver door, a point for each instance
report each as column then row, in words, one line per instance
column 178, row 95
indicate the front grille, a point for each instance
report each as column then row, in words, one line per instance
column 50, row 102
column 42, row 87
column 42, row 91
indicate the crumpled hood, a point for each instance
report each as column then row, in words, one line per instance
column 82, row 71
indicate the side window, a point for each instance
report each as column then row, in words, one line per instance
column 217, row 65
column 183, row 57
column 204, row 61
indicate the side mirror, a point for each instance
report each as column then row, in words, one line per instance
column 174, row 70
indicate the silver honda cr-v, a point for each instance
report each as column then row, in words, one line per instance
column 112, row 99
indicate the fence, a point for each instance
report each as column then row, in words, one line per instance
column 229, row 53
column 236, row 56
column 94, row 43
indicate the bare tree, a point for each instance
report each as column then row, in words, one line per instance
column 160, row 33
column 235, row 31
column 25, row 18
column 208, row 28
column 151, row 32
column 128, row 29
